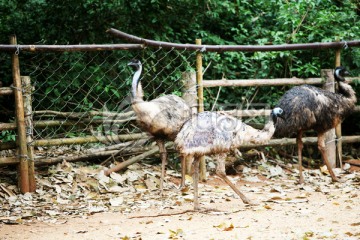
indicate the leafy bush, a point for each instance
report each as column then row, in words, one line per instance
column 215, row 22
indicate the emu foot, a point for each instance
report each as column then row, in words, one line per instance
column 335, row 179
column 253, row 203
column 301, row 179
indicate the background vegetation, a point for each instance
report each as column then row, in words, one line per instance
column 214, row 21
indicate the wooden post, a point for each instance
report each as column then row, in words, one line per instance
column 190, row 97
column 20, row 121
column 199, row 79
column 26, row 83
column 338, row 127
column 189, row 91
column 329, row 85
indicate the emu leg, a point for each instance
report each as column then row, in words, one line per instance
column 163, row 157
column 183, row 172
column 196, row 183
column 322, row 146
column 220, row 171
column 300, row 146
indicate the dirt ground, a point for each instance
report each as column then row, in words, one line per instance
column 317, row 209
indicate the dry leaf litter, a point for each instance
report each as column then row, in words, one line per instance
column 79, row 190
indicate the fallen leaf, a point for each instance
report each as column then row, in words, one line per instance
column 225, row 227
column 116, row 202
column 229, row 228
column 324, row 170
column 174, row 234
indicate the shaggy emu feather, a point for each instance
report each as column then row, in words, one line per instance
column 308, row 107
column 161, row 117
column 213, row 133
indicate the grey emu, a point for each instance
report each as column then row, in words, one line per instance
column 161, row 117
column 308, row 107
column 213, row 133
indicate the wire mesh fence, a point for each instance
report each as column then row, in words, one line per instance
column 7, row 113
column 84, row 97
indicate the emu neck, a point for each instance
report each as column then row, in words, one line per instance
column 347, row 91
column 248, row 134
column 136, row 89
column 268, row 131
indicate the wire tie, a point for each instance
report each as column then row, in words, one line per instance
column 345, row 45
column 203, row 49
column 19, row 89
column 338, row 139
column 23, row 156
column 330, row 83
column 17, row 50
column 334, row 140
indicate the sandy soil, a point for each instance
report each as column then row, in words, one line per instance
column 285, row 210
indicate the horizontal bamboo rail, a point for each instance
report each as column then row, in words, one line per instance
column 86, row 114
column 272, row 142
column 89, row 139
column 261, row 82
column 243, row 48
column 6, row 91
column 143, row 43
column 69, row 48
column 267, row 82
column 55, row 123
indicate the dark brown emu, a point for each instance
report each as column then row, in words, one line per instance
column 213, row 133
column 308, row 107
column 161, row 117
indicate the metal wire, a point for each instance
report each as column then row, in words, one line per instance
column 86, row 94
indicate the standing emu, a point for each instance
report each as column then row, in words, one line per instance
column 308, row 107
column 161, row 117
column 212, row 133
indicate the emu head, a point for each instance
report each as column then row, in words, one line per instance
column 275, row 113
column 135, row 64
column 137, row 67
column 340, row 73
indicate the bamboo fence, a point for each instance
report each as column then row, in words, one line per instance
column 194, row 84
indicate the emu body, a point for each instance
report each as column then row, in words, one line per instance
column 162, row 117
column 308, row 107
column 212, row 133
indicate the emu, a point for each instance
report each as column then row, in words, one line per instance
column 213, row 133
column 161, row 117
column 308, row 107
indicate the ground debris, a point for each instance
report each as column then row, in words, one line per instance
column 79, row 190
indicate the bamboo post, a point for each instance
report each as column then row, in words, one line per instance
column 23, row 179
column 26, row 83
column 199, row 79
column 329, row 85
column 338, row 127
column 190, row 97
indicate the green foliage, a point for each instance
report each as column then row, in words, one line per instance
column 7, row 136
column 182, row 21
